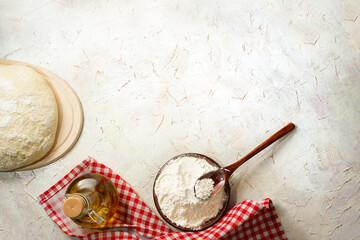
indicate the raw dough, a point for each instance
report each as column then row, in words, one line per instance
column 28, row 116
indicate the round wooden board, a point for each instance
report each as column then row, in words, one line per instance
column 70, row 113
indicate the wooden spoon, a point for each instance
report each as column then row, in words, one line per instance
column 222, row 175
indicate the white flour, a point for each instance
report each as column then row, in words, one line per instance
column 204, row 187
column 174, row 189
column 6, row 84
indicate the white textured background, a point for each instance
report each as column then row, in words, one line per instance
column 160, row 78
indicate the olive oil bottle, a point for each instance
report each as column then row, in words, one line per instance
column 91, row 201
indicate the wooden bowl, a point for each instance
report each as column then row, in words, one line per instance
column 207, row 223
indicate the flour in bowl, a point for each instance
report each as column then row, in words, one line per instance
column 174, row 189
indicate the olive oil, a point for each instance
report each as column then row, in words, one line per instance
column 92, row 201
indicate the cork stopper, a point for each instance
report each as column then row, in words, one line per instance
column 73, row 206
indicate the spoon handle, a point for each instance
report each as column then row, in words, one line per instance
column 288, row 128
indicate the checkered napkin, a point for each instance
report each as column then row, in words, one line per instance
column 247, row 220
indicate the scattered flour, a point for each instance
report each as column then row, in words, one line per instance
column 6, row 84
column 8, row 105
column 174, row 189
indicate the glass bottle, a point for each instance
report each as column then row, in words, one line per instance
column 91, row 201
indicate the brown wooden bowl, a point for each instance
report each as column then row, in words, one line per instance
column 207, row 223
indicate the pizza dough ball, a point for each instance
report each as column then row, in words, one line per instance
column 28, row 116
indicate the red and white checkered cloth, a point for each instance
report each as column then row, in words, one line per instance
column 247, row 220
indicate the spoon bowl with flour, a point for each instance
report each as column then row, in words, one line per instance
column 211, row 183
